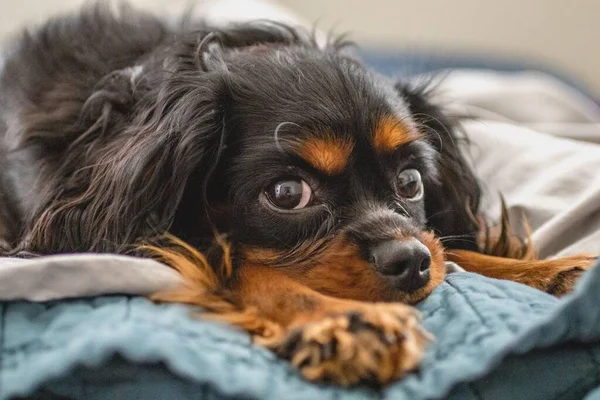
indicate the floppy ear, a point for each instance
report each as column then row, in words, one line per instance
column 451, row 203
column 132, row 190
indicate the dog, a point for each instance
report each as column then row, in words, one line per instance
column 303, row 197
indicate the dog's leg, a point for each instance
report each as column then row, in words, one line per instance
column 326, row 338
column 333, row 339
column 556, row 277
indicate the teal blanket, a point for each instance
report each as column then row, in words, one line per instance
column 495, row 340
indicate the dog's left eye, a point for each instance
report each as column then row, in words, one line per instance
column 410, row 185
column 289, row 194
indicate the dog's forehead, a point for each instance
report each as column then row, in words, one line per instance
column 325, row 87
column 325, row 108
column 331, row 152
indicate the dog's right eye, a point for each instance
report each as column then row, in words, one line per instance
column 410, row 184
column 289, row 194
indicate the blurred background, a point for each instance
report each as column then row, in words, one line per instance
column 551, row 35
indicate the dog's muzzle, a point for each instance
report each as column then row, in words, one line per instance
column 405, row 262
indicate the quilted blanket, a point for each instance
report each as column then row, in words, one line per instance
column 495, row 340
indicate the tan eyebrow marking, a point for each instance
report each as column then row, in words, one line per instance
column 390, row 133
column 328, row 154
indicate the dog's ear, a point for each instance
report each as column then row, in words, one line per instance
column 452, row 201
column 133, row 190
column 132, row 149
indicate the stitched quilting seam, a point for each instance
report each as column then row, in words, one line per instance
column 470, row 304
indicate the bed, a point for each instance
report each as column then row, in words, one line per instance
column 79, row 326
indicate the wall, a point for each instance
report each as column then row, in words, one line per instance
column 559, row 33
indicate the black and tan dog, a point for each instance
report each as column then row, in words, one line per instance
column 306, row 199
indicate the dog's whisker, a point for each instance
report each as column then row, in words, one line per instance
column 442, row 212
column 276, row 137
column 454, row 236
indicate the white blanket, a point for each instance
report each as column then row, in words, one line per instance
column 536, row 141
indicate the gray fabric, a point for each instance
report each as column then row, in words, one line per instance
column 537, row 142
column 67, row 276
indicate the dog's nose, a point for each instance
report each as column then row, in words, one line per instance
column 407, row 262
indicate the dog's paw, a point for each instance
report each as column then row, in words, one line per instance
column 564, row 279
column 376, row 345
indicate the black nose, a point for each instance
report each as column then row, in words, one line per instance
column 405, row 261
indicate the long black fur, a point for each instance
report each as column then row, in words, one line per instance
column 117, row 129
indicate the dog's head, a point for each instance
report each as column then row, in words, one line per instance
column 308, row 161
column 327, row 171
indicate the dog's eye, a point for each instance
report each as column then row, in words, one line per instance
column 410, row 185
column 289, row 194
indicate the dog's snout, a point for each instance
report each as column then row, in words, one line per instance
column 406, row 262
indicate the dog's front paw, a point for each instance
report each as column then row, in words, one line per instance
column 565, row 278
column 378, row 344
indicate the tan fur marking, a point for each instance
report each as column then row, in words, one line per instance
column 318, row 322
column 376, row 342
column 391, row 134
column 204, row 288
column 341, row 271
column 501, row 241
column 555, row 276
column 328, row 154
